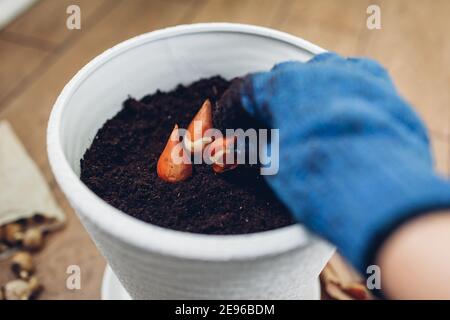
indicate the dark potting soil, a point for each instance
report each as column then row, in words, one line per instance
column 120, row 167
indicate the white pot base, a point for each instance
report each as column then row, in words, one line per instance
column 112, row 289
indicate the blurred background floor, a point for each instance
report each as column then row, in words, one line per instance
column 38, row 55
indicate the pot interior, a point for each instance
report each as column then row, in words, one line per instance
column 149, row 63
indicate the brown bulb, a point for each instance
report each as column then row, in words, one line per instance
column 195, row 141
column 167, row 168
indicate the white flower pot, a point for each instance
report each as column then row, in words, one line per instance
column 156, row 263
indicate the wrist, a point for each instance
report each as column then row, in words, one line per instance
column 414, row 259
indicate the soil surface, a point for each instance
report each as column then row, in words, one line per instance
column 120, row 167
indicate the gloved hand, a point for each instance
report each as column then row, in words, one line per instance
column 355, row 159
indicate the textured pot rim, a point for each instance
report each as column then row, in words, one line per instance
column 146, row 236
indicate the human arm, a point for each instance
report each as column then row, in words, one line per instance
column 355, row 161
column 415, row 259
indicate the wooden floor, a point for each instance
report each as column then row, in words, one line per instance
column 38, row 55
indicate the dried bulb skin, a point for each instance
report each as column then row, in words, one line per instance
column 167, row 168
column 328, row 275
column 35, row 286
column 338, row 286
column 220, row 148
column 33, row 239
column 13, row 233
column 22, row 264
column 356, row 291
column 202, row 121
column 17, row 290
column 335, row 292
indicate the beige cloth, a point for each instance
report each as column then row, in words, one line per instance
column 23, row 189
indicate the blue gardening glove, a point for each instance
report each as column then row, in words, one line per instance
column 355, row 159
